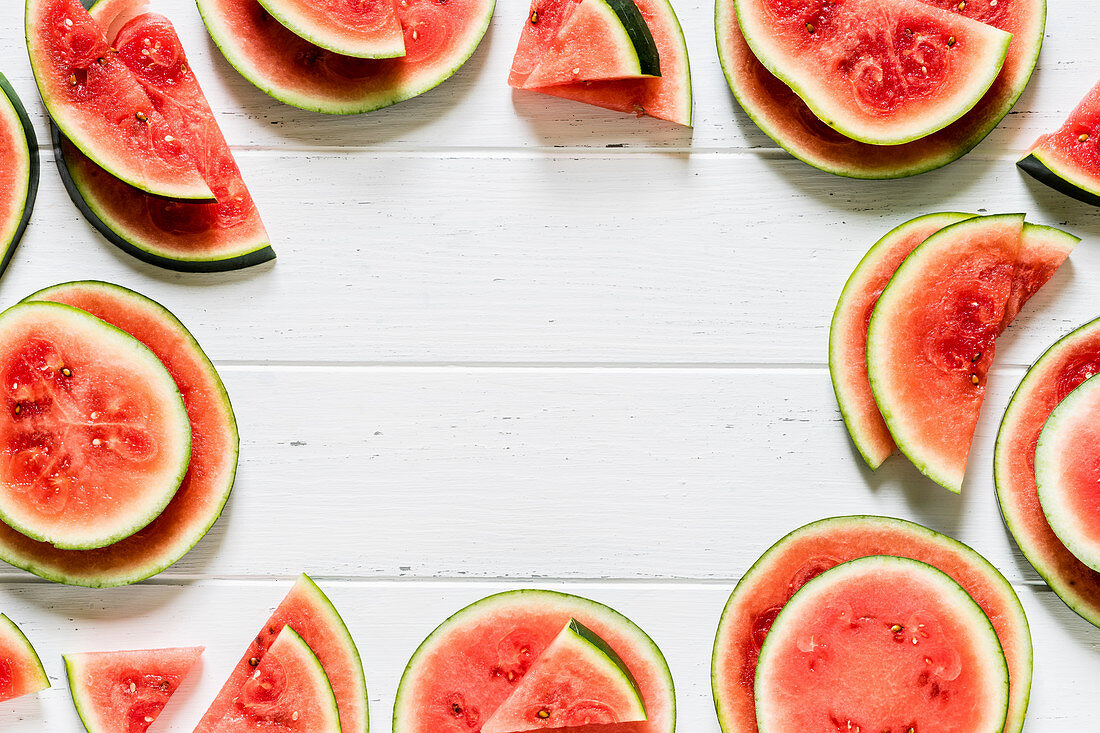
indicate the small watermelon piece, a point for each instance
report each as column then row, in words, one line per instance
column 439, row 38
column 19, row 172
column 21, row 671
column 1042, row 251
column 364, row 28
column 668, row 97
column 579, row 680
column 603, row 39
column 1067, row 472
column 214, row 449
column 125, row 691
column 1057, row 373
column 811, row 550
column 310, row 613
column 786, row 119
column 499, row 640
column 1068, row 160
column 287, row 691
column 99, row 104
column 96, row 440
column 881, row 643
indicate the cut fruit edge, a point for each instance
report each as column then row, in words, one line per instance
column 12, row 636
column 10, row 238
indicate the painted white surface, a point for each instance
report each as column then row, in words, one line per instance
column 495, row 351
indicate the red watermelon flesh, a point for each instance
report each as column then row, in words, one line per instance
column 21, row 671
column 126, row 691
column 364, row 28
column 1069, row 159
column 308, row 612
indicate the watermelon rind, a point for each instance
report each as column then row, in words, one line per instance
column 12, row 110
column 403, row 712
column 14, row 636
column 88, row 201
column 72, row 567
column 1062, row 178
column 980, row 628
column 304, row 26
column 255, row 71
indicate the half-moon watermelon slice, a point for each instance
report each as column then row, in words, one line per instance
column 499, row 640
column 1057, row 373
column 21, row 671
column 99, row 104
column 881, row 643
column 126, row 691
column 439, row 38
column 214, row 449
column 811, row 550
column 785, row 118
column 310, row 613
column 668, row 97
column 365, row 28
column 19, row 172
column 1069, row 160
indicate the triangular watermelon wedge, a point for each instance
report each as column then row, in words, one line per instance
column 578, row 680
column 21, row 671
column 1068, row 160
column 310, row 613
column 125, row 692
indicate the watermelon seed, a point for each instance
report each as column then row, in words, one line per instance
column 72, row 80
column 69, row 22
column 897, row 628
column 133, row 687
column 253, row 662
column 148, row 719
column 18, row 408
column 977, row 357
column 962, row 5
column 544, row 713
column 951, row 41
column 97, row 442
column 810, row 28
column 534, row 17
column 975, row 379
column 141, row 117
column 66, row 371
column 295, row 716
column 164, row 684
column 1084, row 138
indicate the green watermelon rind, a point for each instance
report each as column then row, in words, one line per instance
column 223, row 39
column 85, row 202
column 9, row 96
column 980, row 626
column 639, row 35
column 136, row 522
column 486, row 604
column 13, row 632
column 300, row 29
column 113, row 581
column 615, row 661
column 1049, row 171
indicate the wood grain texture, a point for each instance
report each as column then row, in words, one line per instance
column 514, row 340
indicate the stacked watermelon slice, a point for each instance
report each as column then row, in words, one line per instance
column 915, row 330
column 19, row 172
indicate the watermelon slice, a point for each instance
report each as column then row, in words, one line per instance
column 809, row 551
column 577, row 666
column 21, row 671
column 205, row 488
column 499, row 640
column 97, row 439
column 287, row 691
column 310, row 613
column 881, row 644
column 99, row 104
column 1069, row 160
column 439, row 38
column 19, row 172
column 125, row 692
column 789, row 122
column 668, row 97
column 603, row 39
column 364, row 28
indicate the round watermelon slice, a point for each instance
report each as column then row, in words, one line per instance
column 21, row 671
column 811, row 550
column 668, row 97
column 1065, row 366
column 786, row 119
column 99, row 104
column 500, row 639
column 96, row 440
column 18, row 174
column 125, row 692
column 439, row 38
column 214, row 446
column 368, row 29
column 881, row 643
column 1069, row 160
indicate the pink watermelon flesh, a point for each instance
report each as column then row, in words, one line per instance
column 498, row 640
column 786, row 119
column 811, row 550
column 125, row 692
column 881, row 644
column 19, row 172
column 1063, row 368
column 667, row 97
column 21, row 670
column 310, row 614
column 205, row 488
column 1068, row 160
column 364, row 28
column 99, row 104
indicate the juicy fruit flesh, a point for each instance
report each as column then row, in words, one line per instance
column 365, row 28
column 21, row 671
column 16, row 171
column 1073, row 151
column 881, row 644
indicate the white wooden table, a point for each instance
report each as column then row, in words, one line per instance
column 511, row 340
